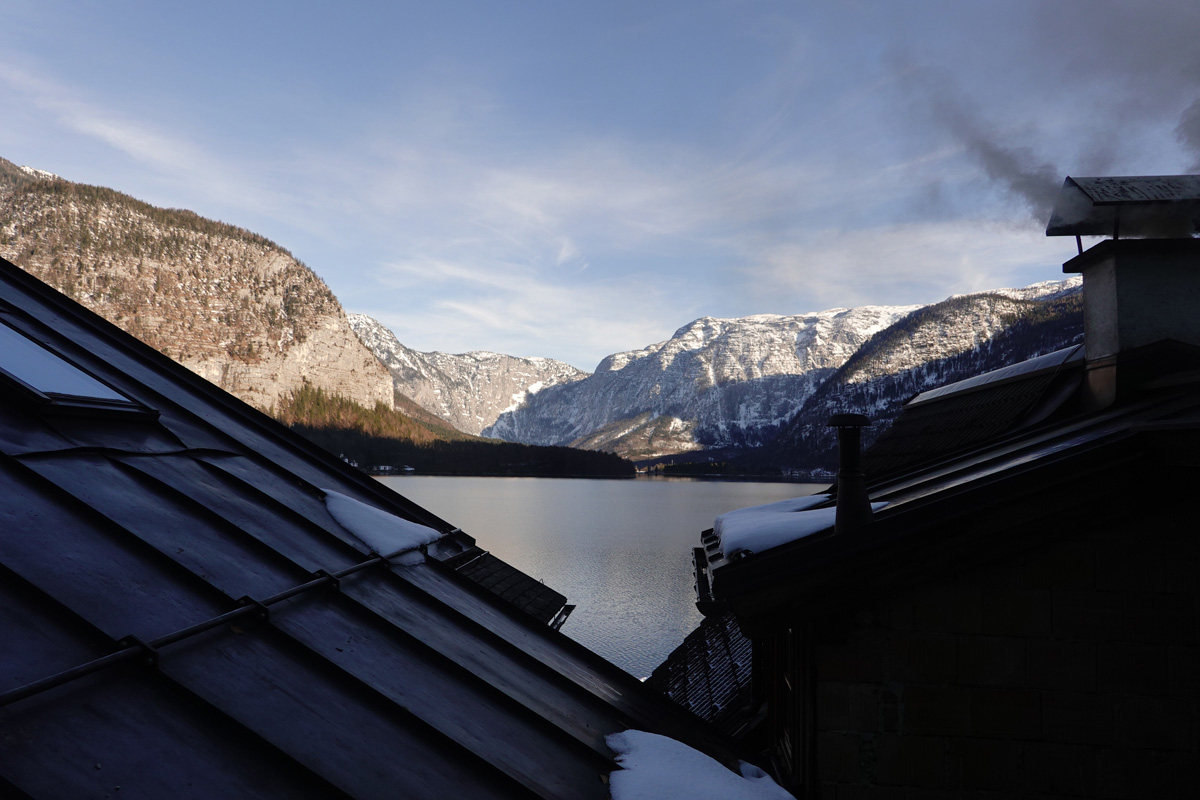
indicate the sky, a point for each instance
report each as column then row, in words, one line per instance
column 572, row 179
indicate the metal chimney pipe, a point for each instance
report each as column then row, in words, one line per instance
column 853, row 505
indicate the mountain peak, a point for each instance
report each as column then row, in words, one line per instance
column 468, row 390
column 735, row 382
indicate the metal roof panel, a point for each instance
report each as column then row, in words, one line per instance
column 182, row 529
column 86, row 563
column 333, row 676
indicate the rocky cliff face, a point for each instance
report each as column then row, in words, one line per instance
column 468, row 390
column 715, row 383
column 224, row 302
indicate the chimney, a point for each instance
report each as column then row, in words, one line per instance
column 853, row 506
column 1136, row 291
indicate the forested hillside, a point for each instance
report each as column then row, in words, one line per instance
column 228, row 304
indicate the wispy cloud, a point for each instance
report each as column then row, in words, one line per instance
column 512, row 305
column 131, row 138
column 179, row 163
column 569, row 190
column 906, row 263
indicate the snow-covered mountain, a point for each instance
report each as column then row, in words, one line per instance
column 736, row 383
column 468, row 390
column 716, row 382
column 958, row 338
column 720, row 383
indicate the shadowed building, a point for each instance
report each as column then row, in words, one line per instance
column 1019, row 615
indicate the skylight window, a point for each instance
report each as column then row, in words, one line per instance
column 49, row 377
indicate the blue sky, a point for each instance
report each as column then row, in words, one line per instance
column 571, row 179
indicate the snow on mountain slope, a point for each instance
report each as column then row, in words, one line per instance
column 956, row 325
column 228, row 304
column 724, row 382
column 963, row 336
column 469, row 390
column 716, row 382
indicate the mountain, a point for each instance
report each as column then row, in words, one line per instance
column 244, row 313
column 726, row 386
column 224, row 302
column 955, row 339
column 715, row 383
column 469, row 390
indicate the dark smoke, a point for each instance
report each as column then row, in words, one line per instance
column 1188, row 133
column 1015, row 168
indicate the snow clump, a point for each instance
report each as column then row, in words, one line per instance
column 383, row 533
column 655, row 767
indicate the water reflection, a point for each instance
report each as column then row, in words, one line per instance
column 619, row 549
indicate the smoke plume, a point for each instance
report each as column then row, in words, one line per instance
column 1188, row 133
column 1015, row 168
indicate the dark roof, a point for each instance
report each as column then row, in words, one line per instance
column 709, row 674
column 944, row 421
column 971, row 500
column 182, row 616
column 1161, row 205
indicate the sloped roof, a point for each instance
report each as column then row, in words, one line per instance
column 184, row 618
column 950, row 419
column 709, row 674
column 966, row 498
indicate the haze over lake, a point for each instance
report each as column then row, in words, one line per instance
column 620, row 550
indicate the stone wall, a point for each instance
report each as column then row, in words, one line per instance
column 1069, row 672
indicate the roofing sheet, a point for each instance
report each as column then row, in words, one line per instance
column 530, row 595
column 1047, row 362
column 272, row 655
column 1141, row 189
column 940, row 422
column 933, row 430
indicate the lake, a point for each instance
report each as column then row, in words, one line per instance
column 620, row 550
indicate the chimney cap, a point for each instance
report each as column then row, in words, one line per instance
column 1153, row 206
column 849, row 421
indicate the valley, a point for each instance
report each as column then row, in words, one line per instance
column 751, row 393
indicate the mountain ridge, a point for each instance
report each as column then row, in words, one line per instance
column 244, row 313
column 717, row 382
column 728, row 385
column 228, row 304
column 470, row 389
column 979, row 332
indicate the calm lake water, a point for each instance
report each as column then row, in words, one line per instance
column 621, row 550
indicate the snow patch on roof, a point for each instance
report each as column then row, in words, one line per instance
column 760, row 528
column 658, row 768
column 383, row 533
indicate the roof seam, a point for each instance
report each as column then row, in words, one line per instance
column 135, row 647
